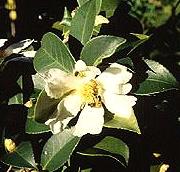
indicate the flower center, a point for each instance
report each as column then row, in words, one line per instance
column 90, row 93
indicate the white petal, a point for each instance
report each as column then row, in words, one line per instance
column 73, row 104
column 126, row 115
column 91, row 121
column 119, row 104
column 80, row 66
column 2, row 42
column 57, row 83
column 114, row 77
column 55, row 126
column 89, row 72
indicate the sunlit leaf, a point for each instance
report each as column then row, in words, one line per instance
column 99, row 48
column 115, row 121
column 98, row 4
column 17, row 99
column 22, row 157
column 83, row 22
column 53, row 54
column 58, row 149
column 140, row 36
column 159, row 80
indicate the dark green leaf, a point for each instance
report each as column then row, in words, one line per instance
column 159, row 80
column 99, row 48
column 58, row 149
column 22, row 157
column 53, row 54
column 114, row 146
column 45, row 107
column 83, row 22
column 109, row 147
column 33, row 127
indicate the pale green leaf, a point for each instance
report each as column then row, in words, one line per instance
column 140, row 36
column 58, row 150
column 115, row 121
column 159, row 80
column 53, row 54
column 99, row 48
column 83, row 22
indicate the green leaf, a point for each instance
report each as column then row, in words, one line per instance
column 83, row 22
column 109, row 6
column 109, row 147
column 22, row 157
column 140, row 36
column 99, row 48
column 98, row 4
column 114, row 146
column 33, row 127
column 159, row 80
column 18, row 98
column 115, row 121
column 53, row 54
column 44, row 107
column 58, row 150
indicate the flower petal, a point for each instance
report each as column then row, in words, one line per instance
column 80, row 66
column 114, row 79
column 91, row 121
column 86, row 72
column 55, row 85
column 73, row 104
column 119, row 104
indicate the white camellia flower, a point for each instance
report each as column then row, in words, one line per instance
column 86, row 90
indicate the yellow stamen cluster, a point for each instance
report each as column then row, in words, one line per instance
column 90, row 93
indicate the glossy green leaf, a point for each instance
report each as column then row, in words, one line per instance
column 83, row 22
column 44, row 107
column 115, row 121
column 58, row 149
column 99, row 48
column 159, row 80
column 22, row 157
column 109, row 147
column 98, row 4
column 53, row 54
